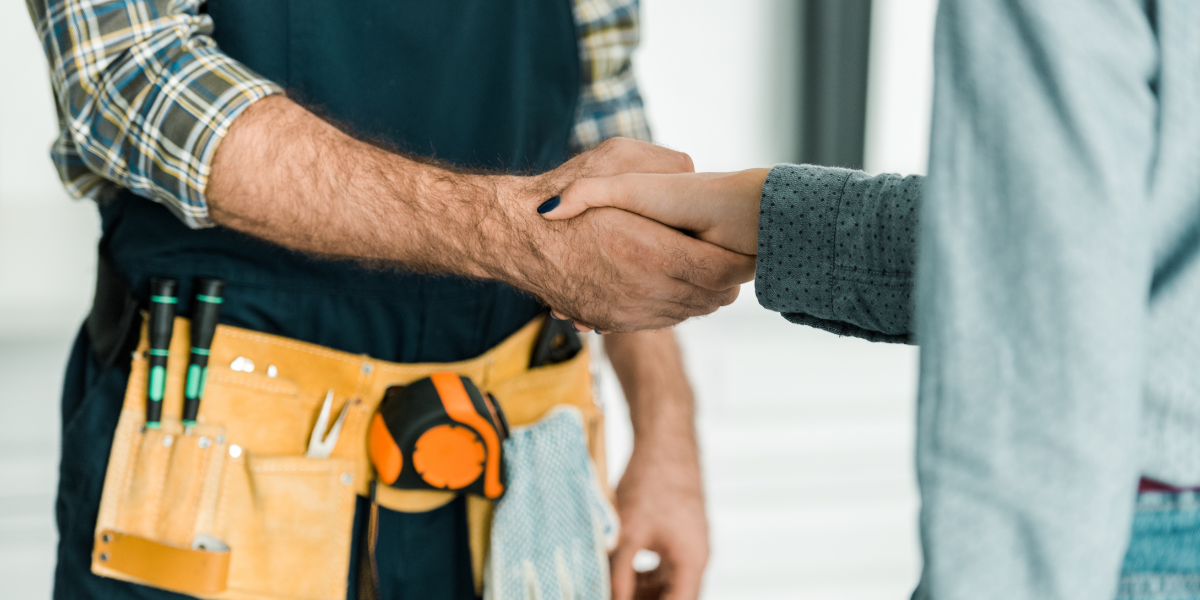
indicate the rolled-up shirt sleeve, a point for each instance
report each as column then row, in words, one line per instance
column 837, row 250
column 610, row 104
column 144, row 96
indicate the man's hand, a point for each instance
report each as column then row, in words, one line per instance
column 721, row 208
column 284, row 175
column 660, row 498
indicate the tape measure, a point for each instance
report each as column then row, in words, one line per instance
column 439, row 433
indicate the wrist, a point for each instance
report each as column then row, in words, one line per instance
column 512, row 238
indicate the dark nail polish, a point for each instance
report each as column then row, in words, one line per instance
column 549, row 205
column 575, row 328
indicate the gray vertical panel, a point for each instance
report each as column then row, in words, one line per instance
column 833, row 98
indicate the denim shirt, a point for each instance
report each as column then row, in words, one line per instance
column 1057, row 285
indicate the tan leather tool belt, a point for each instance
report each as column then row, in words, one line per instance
column 235, row 510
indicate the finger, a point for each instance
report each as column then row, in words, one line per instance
column 685, row 582
column 623, row 577
column 663, row 198
column 732, row 297
column 623, row 155
column 578, row 197
column 651, row 585
column 708, row 266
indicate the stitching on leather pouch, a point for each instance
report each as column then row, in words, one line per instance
column 218, row 376
column 289, row 344
column 293, row 469
column 206, row 461
column 223, row 496
column 127, row 478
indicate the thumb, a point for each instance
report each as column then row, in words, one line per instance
column 581, row 195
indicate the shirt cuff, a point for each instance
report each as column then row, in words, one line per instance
column 192, row 128
column 797, row 230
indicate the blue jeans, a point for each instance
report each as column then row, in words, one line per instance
column 1163, row 560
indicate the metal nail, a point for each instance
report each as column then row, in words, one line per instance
column 347, row 479
column 103, row 557
column 220, row 439
column 168, row 440
column 235, row 450
column 272, row 371
column 205, row 442
column 367, row 368
column 106, row 538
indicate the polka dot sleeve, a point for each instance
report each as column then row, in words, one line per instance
column 837, row 250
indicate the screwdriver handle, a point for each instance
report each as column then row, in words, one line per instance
column 161, row 326
column 204, row 326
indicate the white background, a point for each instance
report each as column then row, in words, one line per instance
column 806, row 438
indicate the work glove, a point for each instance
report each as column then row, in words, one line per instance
column 554, row 527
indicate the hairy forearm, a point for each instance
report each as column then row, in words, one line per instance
column 287, row 176
column 284, row 175
column 650, row 368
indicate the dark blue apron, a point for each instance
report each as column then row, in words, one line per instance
column 478, row 83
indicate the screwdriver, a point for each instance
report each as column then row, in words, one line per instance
column 204, row 327
column 162, row 325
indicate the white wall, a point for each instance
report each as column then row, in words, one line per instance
column 719, row 79
column 47, row 241
column 900, row 86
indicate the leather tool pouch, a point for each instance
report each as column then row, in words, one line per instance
column 234, row 510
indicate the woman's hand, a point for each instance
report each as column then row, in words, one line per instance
column 719, row 208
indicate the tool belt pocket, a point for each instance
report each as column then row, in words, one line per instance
column 290, row 520
column 231, row 508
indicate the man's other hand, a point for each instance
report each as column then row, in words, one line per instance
column 661, row 505
column 660, row 497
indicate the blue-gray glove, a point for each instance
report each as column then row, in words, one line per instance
column 554, row 526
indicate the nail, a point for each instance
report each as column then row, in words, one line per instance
column 575, row 328
column 549, row 205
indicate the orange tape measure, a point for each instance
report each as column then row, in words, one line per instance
column 439, row 433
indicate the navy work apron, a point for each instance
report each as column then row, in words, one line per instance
column 477, row 83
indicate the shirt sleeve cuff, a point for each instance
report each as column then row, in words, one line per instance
column 198, row 131
column 797, row 231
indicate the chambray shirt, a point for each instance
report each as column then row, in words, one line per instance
column 144, row 95
column 1057, row 279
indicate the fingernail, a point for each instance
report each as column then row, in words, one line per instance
column 575, row 328
column 549, row 205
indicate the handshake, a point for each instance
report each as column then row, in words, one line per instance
column 634, row 239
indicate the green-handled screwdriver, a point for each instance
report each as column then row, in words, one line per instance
column 161, row 326
column 204, row 326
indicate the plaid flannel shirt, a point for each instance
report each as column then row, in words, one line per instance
column 144, row 95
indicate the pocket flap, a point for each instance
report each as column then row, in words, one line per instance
column 184, row 570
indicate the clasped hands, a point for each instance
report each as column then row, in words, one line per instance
column 655, row 243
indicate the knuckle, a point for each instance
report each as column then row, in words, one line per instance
column 686, row 163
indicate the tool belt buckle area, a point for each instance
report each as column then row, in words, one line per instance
column 241, row 506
